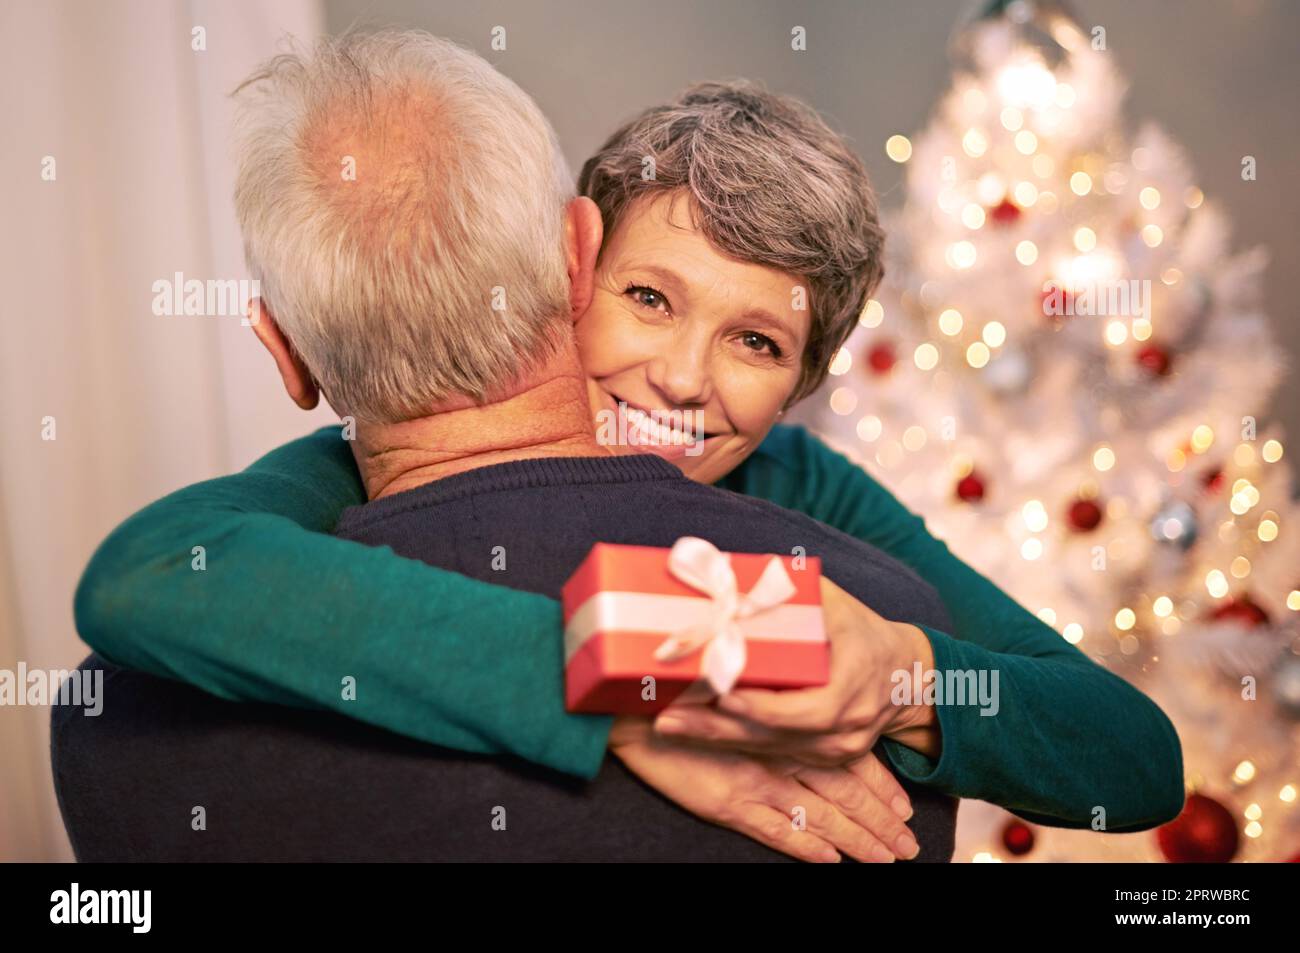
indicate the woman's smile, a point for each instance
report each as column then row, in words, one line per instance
column 673, row 434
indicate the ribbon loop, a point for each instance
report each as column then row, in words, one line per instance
column 702, row 566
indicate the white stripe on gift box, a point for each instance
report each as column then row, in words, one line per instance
column 668, row 615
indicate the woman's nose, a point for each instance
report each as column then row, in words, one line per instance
column 682, row 376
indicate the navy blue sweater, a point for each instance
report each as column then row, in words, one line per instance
column 289, row 784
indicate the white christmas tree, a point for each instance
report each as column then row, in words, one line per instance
column 1062, row 374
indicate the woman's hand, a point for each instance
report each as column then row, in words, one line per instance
column 831, row 724
column 858, row 809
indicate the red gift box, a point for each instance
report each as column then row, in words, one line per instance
column 624, row 603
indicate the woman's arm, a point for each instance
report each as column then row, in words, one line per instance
column 1069, row 737
column 279, row 615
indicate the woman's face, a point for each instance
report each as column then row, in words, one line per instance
column 676, row 326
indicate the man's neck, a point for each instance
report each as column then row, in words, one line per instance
column 548, row 416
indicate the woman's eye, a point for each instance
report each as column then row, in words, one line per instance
column 760, row 343
column 647, row 297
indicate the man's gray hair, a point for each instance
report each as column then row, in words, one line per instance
column 769, row 183
column 402, row 204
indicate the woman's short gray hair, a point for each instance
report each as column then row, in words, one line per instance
column 769, row 183
column 402, row 204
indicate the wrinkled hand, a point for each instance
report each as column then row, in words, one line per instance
column 857, row 809
column 832, row 724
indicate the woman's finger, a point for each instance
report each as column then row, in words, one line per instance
column 824, row 819
column 769, row 826
column 793, row 798
column 858, row 802
column 807, row 709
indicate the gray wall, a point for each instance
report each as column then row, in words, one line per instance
column 1220, row 75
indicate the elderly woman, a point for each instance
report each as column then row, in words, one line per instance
column 741, row 243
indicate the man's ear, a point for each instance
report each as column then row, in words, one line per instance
column 583, row 233
column 297, row 379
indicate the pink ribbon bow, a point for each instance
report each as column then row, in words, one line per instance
column 702, row 566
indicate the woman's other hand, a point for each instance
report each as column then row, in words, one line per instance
column 856, row 810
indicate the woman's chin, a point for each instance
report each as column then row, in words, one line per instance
column 699, row 461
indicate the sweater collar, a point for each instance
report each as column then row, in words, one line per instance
column 520, row 474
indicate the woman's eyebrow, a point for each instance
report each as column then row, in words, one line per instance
column 669, row 279
column 764, row 318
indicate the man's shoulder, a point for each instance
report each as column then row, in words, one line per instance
column 782, row 529
column 737, row 523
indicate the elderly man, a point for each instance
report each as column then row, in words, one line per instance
column 422, row 190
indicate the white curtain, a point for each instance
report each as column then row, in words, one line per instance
column 132, row 121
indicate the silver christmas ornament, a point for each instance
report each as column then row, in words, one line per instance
column 1175, row 524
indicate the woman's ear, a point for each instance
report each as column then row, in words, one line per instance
column 297, row 378
column 583, row 233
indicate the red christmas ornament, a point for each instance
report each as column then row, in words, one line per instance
column 881, row 358
column 1155, row 359
column 1005, row 212
column 970, row 488
column 1085, row 516
column 1213, row 481
column 1017, row 838
column 1204, row 833
column 1242, row 611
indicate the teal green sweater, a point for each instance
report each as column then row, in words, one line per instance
column 279, row 608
